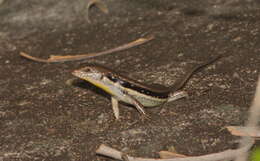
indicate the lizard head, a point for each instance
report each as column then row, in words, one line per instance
column 89, row 72
column 96, row 75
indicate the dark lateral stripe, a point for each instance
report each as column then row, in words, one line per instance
column 128, row 85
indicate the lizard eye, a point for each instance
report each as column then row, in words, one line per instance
column 87, row 69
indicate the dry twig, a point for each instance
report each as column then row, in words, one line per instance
column 55, row 58
column 244, row 131
column 168, row 154
column 227, row 154
column 254, row 114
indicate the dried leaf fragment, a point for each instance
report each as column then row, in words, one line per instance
column 101, row 5
column 168, row 155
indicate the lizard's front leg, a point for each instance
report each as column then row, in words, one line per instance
column 115, row 108
column 131, row 100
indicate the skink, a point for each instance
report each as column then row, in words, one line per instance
column 122, row 88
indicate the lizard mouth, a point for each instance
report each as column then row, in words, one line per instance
column 78, row 73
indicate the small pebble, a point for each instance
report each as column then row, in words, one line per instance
column 210, row 84
column 236, row 75
column 180, row 54
column 70, row 81
column 237, row 39
column 223, row 86
column 101, row 118
column 45, row 81
column 210, row 27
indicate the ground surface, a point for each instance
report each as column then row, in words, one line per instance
column 44, row 117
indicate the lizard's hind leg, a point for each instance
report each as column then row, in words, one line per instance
column 177, row 95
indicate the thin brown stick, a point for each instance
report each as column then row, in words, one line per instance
column 55, row 58
column 169, row 154
column 244, row 131
column 27, row 56
column 224, row 155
